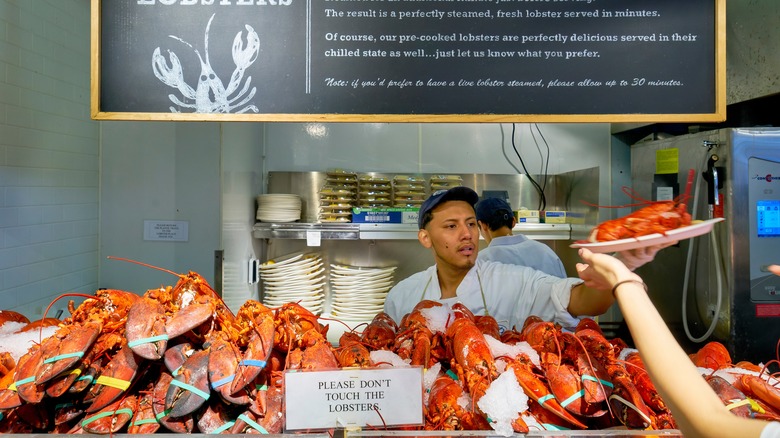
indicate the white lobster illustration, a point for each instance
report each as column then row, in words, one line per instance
column 210, row 95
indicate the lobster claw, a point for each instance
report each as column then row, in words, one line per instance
column 24, row 377
column 214, row 418
column 172, row 76
column 260, row 345
column 626, row 401
column 242, row 57
column 65, row 349
column 145, row 329
column 223, row 362
column 111, row 418
column 536, row 390
column 143, row 421
column 115, row 379
column 175, row 356
column 183, row 424
column 190, row 388
column 189, row 318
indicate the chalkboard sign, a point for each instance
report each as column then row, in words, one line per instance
column 413, row 61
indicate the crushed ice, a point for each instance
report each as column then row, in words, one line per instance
column 503, row 402
column 16, row 342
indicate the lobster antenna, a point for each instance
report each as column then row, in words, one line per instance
column 206, row 38
column 45, row 312
column 146, row 264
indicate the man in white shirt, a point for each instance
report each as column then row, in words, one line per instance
column 510, row 293
column 496, row 221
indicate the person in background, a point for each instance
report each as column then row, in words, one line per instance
column 696, row 408
column 509, row 293
column 496, row 221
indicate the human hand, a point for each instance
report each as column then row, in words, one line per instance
column 775, row 269
column 634, row 258
column 602, row 271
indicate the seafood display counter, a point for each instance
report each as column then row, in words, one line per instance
column 673, row 433
column 441, row 434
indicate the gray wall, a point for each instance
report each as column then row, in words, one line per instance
column 49, row 155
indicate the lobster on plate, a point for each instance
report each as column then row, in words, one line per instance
column 656, row 218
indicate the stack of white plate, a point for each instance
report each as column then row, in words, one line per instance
column 278, row 207
column 297, row 278
column 358, row 293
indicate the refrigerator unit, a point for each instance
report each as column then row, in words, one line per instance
column 717, row 286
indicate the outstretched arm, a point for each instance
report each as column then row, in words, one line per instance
column 634, row 258
column 694, row 405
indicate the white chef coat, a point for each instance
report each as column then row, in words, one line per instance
column 520, row 250
column 512, row 294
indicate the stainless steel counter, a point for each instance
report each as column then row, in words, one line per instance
column 612, row 433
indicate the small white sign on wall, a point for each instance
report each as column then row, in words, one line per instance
column 169, row 231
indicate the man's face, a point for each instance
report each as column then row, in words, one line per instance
column 453, row 234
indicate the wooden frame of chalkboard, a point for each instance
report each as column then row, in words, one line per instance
column 422, row 61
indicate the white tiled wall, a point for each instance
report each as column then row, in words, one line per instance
column 49, row 155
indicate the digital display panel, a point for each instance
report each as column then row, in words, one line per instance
column 768, row 217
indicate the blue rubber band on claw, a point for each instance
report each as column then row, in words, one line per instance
column 253, row 363
column 142, row 421
column 163, row 414
column 221, row 382
column 64, row 356
column 163, row 337
column 252, row 423
column 125, row 411
column 190, row 388
column 223, row 428
column 573, row 397
column 591, row 378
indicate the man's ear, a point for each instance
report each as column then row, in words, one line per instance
column 424, row 238
column 482, row 227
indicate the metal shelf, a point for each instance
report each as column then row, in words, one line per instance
column 352, row 231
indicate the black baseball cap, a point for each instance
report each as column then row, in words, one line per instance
column 459, row 193
column 491, row 208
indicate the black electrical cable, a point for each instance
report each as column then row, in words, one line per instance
column 542, row 200
column 547, row 158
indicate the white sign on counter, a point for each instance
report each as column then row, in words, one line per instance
column 353, row 397
column 171, row 231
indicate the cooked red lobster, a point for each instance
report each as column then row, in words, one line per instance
column 658, row 217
